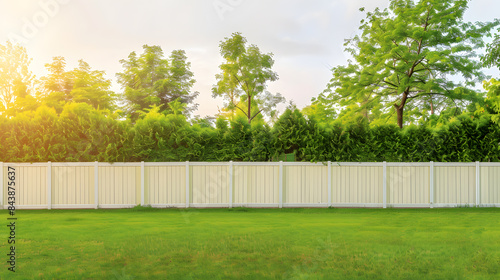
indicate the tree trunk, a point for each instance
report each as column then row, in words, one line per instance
column 400, row 108
column 249, row 109
column 432, row 107
column 399, row 112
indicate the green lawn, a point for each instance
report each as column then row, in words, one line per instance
column 144, row 243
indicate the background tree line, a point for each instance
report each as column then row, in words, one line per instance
column 408, row 94
column 83, row 133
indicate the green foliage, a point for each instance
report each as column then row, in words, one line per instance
column 238, row 141
column 152, row 80
column 320, row 111
column 92, row 87
column 492, row 56
column 82, row 133
column 262, row 148
column 81, row 85
column 416, row 144
column 243, row 78
column 160, row 137
column 292, row 134
column 467, row 139
column 491, row 106
column 357, row 142
column 385, row 141
column 16, row 80
column 404, row 58
column 331, row 143
column 33, row 136
column 92, row 135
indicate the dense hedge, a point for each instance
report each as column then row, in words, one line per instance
column 81, row 133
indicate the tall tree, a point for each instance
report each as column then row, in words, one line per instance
column 81, row 84
column 178, row 85
column 151, row 80
column 15, row 77
column 243, row 78
column 92, row 87
column 410, row 55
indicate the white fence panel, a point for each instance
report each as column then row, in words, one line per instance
column 255, row 185
column 72, row 186
column 30, row 186
column 490, row 186
column 209, row 185
column 455, row 185
column 357, row 185
column 305, row 185
column 165, row 185
column 118, row 185
column 408, row 185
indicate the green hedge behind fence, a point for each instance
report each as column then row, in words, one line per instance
column 81, row 134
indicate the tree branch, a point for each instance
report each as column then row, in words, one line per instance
column 256, row 114
column 236, row 106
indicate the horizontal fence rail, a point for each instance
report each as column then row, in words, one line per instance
column 55, row 185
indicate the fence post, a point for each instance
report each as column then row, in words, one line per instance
column 329, row 183
column 2, row 185
column 281, row 185
column 49, row 185
column 187, row 184
column 384, row 184
column 142, row 183
column 431, row 184
column 96, row 184
column 478, row 184
column 231, row 184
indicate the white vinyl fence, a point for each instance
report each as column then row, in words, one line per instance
column 250, row 184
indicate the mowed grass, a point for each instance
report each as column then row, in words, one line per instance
column 145, row 243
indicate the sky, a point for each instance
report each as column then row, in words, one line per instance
column 306, row 37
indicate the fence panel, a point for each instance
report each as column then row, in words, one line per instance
column 408, row 185
column 455, row 185
column 255, row 184
column 119, row 185
column 72, row 186
column 209, row 185
column 30, row 186
column 165, row 185
column 357, row 185
column 305, row 185
column 490, row 186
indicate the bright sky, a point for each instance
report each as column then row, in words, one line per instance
column 306, row 37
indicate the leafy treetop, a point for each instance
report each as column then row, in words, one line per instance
column 409, row 55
